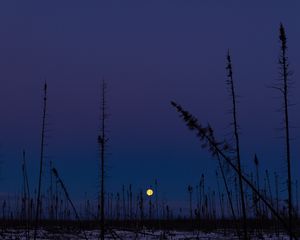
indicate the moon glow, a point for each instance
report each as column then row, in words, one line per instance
column 149, row 192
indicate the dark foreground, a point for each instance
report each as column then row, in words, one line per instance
column 147, row 229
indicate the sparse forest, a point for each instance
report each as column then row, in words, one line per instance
column 244, row 205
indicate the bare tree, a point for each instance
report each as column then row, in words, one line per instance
column 220, row 147
column 55, row 173
column 230, row 83
column 102, row 141
column 130, row 202
column 38, row 200
column 257, row 203
column 141, row 206
column 190, row 190
column 26, row 196
column 284, row 86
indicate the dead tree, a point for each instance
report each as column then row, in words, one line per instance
column 123, row 202
column 229, row 198
column 284, row 86
column 156, row 198
column 257, row 203
column 277, row 200
column 26, row 192
column 38, row 200
column 68, row 199
column 26, row 196
column 230, row 83
column 150, row 208
column 220, row 147
column 190, row 190
column 219, row 195
column 102, row 141
column 141, row 206
column 297, row 199
column 130, row 202
column 118, row 207
column 51, row 195
column 201, row 195
column 269, row 187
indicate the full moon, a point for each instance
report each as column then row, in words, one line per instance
column 149, row 192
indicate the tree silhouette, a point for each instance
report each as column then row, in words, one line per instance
column 102, row 141
column 206, row 135
column 38, row 200
column 284, row 89
column 232, row 93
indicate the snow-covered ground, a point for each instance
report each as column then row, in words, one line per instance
column 21, row 234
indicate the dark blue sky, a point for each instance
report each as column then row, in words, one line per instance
column 150, row 52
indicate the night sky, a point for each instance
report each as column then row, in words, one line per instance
column 149, row 52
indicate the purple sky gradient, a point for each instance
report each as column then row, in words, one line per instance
column 149, row 53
